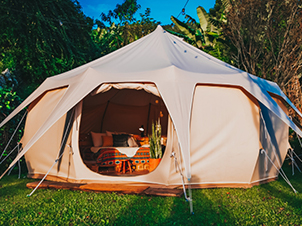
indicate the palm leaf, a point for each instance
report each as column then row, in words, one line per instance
column 203, row 18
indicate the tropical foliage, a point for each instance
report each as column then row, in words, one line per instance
column 123, row 27
column 9, row 100
column 206, row 34
column 155, row 141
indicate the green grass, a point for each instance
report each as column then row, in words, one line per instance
column 269, row 204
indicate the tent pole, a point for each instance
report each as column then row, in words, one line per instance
column 189, row 199
column 66, row 132
column 104, row 115
column 147, row 129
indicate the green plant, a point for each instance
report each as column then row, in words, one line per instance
column 155, row 141
column 207, row 33
column 9, row 100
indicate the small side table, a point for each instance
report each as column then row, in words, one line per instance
column 126, row 163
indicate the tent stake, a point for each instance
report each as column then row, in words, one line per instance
column 189, row 199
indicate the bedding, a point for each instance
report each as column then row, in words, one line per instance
column 112, row 156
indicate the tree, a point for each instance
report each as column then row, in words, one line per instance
column 39, row 39
column 124, row 28
column 267, row 37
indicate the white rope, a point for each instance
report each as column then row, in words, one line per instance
column 296, row 155
column 19, row 164
column 273, row 147
column 11, row 169
column 9, row 154
column 290, row 155
column 299, row 140
column 45, row 175
column 13, row 134
column 281, row 172
column 55, row 160
column 266, row 132
column 189, row 199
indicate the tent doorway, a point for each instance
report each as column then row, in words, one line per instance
column 115, row 124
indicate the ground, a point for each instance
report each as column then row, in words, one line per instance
column 269, row 204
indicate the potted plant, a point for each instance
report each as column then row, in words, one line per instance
column 155, row 146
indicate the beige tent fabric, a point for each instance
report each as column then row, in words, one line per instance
column 150, row 88
column 43, row 153
column 224, row 133
column 264, row 169
column 175, row 68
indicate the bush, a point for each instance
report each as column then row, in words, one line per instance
column 9, row 100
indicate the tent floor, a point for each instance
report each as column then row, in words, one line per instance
column 144, row 189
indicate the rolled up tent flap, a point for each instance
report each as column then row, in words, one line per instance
column 148, row 87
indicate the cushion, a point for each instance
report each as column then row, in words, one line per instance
column 132, row 142
column 120, row 140
column 97, row 139
column 107, row 141
column 109, row 133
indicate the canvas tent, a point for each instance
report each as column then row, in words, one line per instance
column 217, row 118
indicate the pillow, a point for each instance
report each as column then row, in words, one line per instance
column 120, row 140
column 108, row 133
column 97, row 139
column 107, row 141
column 132, row 142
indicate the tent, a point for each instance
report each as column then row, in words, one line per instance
column 224, row 126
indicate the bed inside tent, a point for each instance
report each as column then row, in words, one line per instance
column 115, row 123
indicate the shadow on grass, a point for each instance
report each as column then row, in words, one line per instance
column 284, row 192
column 150, row 210
column 269, row 204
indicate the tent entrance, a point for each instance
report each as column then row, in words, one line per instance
column 115, row 124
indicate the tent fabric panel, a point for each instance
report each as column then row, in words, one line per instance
column 121, row 118
column 178, row 100
column 92, row 119
column 224, row 133
column 275, row 144
column 43, row 153
column 40, row 112
column 174, row 173
column 41, row 156
column 125, row 111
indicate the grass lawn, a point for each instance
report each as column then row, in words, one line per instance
column 269, row 204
